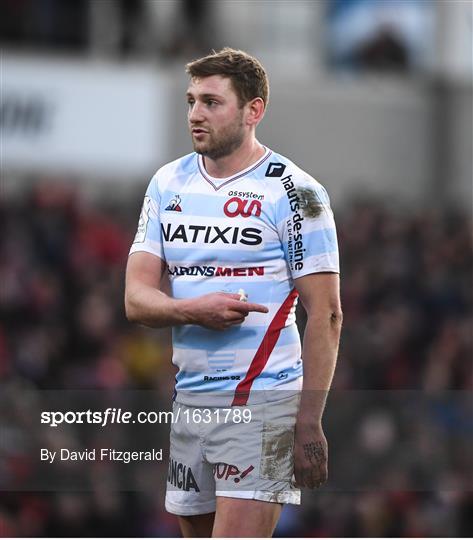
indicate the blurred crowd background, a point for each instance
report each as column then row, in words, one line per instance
column 373, row 97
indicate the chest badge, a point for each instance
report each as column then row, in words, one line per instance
column 174, row 204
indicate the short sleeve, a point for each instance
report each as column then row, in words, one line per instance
column 306, row 227
column 148, row 235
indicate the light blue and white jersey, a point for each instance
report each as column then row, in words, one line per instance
column 257, row 230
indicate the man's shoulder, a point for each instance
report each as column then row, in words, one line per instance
column 182, row 166
column 282, row 172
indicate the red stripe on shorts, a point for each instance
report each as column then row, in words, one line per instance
column 266, row 347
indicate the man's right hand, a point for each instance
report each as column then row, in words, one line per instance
column 219, row 311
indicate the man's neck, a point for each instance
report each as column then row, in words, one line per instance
column 244, row 156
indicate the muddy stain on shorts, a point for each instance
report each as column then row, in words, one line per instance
column 277, row 455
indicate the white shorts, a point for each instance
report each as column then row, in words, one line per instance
column 241, row 452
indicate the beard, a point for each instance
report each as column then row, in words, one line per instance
column 222, row 143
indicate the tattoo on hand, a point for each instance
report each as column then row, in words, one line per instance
column 315, row 450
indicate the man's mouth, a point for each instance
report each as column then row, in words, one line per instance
column 198, row 131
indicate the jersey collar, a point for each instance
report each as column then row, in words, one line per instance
column 218, row 183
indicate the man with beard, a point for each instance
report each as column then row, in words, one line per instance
column 241, row 231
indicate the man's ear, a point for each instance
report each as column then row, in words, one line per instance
column 255, row 111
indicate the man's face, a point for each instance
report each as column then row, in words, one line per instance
column 216, row 121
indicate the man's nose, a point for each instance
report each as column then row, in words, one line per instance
column 196, row 113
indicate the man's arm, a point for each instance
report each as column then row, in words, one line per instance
column 146, row 303
column 320, row 296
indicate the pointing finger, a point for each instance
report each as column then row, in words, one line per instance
column 246, row 307
column 256, row 307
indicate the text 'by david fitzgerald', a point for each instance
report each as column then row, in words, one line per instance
column 101, row 454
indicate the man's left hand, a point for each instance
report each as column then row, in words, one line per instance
column 310, row 456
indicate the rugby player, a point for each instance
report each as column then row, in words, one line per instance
column 241, row 232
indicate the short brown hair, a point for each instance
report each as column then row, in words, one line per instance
column 248, row 76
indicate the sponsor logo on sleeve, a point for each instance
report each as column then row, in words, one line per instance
column 275, row 170
column 295, row 243
column 143, row 221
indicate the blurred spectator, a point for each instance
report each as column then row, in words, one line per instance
column 385, row 52
column 44, row 23
column 118, row 28
column 383, row 36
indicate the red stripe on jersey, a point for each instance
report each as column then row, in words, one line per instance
column 265, row 349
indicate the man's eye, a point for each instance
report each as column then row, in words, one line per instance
column 190, row 102
column 211, row 102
